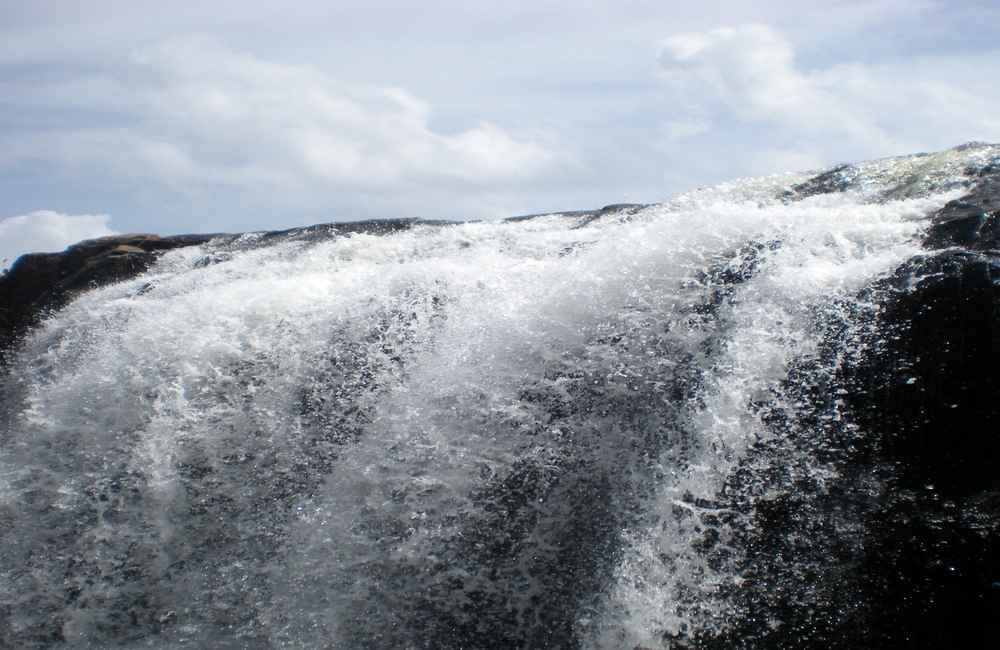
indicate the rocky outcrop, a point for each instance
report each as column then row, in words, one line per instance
column 929, row 394
column 39, row 282
column 902, row 550
column 587, row 216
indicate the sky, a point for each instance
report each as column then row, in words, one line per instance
column 229, row 116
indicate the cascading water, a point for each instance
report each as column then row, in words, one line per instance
column 454, row 436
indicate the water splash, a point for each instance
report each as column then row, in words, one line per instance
column 473, row 435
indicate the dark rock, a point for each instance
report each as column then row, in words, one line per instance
column 324, row 231
column 903, row 549
column 212, row 258
column 835, row 180
column 627, row 209
column 586, row 216
column 928, row 397
column 972, row 222
column 38, row 282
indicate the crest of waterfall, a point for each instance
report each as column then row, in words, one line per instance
column 499, row 434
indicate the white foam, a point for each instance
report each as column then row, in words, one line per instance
column 235, row 370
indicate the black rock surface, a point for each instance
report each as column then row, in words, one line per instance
column 903, row 549
column 930, row 396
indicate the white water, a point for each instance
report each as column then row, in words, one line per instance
column 427, row 439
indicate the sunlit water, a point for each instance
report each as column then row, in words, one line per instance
column 474, row 435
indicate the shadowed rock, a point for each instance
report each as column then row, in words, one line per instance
column 903, row 549
column 39, row 282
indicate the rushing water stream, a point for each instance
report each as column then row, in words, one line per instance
column 508, row 434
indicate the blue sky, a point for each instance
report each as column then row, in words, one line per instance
column 230, row 116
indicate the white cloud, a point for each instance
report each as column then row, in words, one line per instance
column 770, row 161
column 680, row 129
column 45, row 231
column 191, row 113
column 749, row 75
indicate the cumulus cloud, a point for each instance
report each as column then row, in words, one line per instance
column 45, row 231
column 750, row 75
column 191, row 112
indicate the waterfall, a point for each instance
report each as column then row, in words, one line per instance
column 527, row 433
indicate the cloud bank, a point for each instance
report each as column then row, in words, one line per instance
column 748, row 77
column 190, row 115
column 45, row 231
column 192, row 111
column 350, row 110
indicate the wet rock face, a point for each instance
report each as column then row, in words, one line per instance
column 932, row 388
column 971, row 222
column 929, row 397
column 903, row 549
